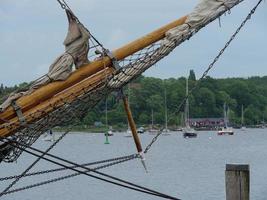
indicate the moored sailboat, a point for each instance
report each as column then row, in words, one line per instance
column 109, row 130
column 128, row 132
column 49, row 136
column 243, row 128
column 166, row 131
column 152, row 130
column 188, row 132
column 225, row 130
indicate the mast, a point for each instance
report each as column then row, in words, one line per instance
column 129, row 104
column 225, row 113
column 48, row 91
column 106, row 110
column 242, row 115
column 182, row 120
column 166, row 112
column 152, row 118
column 90, row 75
column 186, row 112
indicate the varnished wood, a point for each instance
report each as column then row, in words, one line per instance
column 132, row 124
column 46, row 92
column 34, row 101
column 47, row 106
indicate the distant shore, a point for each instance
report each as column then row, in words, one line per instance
column 102, row 129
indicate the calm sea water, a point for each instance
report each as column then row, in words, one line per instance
column 190, row 169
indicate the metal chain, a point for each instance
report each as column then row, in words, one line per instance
column 152, row 142
column 207, row 70
column 33, row 164
column 64, row 6
column 114, row 180
column 62, row 169
column 217, row 57
column 126, row 158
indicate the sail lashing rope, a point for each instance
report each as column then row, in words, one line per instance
column 211, row 65
column 94, row 174
column 88, row 96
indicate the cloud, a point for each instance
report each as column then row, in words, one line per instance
column 32, row 33
column 117, row 37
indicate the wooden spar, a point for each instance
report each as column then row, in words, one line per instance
column 46, row 92
column 147, row 40
column 55, row 102
column 134, row 131
column 132, row 124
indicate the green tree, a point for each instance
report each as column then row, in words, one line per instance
column 192, row 75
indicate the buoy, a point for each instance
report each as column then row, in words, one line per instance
column 107, row 141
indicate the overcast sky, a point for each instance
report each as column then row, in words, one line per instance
column 32, row 33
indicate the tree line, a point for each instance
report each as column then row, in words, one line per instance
column 146, row 94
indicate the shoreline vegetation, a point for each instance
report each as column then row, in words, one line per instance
column 101, row 130
column 147, row 95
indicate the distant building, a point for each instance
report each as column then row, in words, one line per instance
column 206, row 122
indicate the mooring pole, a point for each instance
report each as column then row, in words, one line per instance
column 133, row 129
column 237, row 182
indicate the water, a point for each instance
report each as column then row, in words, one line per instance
column 189, row 169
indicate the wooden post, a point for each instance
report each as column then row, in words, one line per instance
column 237, row 182
column 132, row 124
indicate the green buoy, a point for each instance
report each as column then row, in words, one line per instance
column 107, row 141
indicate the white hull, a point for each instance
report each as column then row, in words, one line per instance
column 189, row 133
column 226, row 131
column 128, row 133
column 49, row 138
column 153, row 132
column 110, row 133
column 166, row 132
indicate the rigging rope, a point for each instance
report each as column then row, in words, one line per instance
column 33, row 164
column 62, row 169
column 65, row 6
column 67, row 176
column 114, row 161
column 212, row 64
column 179, row 107
column 125, row 184
column 88, row 95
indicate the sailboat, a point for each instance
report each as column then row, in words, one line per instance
column 188, row 132
column 49, row 136
column 165, row 131
column 243, row 128
column 179, row 125
column 109, row 130
column 225, row 130
column 152, row 130
column 128, row 133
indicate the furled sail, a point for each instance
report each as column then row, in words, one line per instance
column 58, row 102
column 76, row 50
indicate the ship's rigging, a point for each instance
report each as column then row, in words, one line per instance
column 112, row 75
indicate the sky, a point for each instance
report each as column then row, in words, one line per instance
column 32, row 33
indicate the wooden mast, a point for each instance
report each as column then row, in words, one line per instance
column 35, row 101
column 46, row 92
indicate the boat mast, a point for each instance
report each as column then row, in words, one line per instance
column 106, row 110
column 186, row 112
column 152, row 120
column 166, row 112
column 225, row 112
column 128, row 98
column 242, row 115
